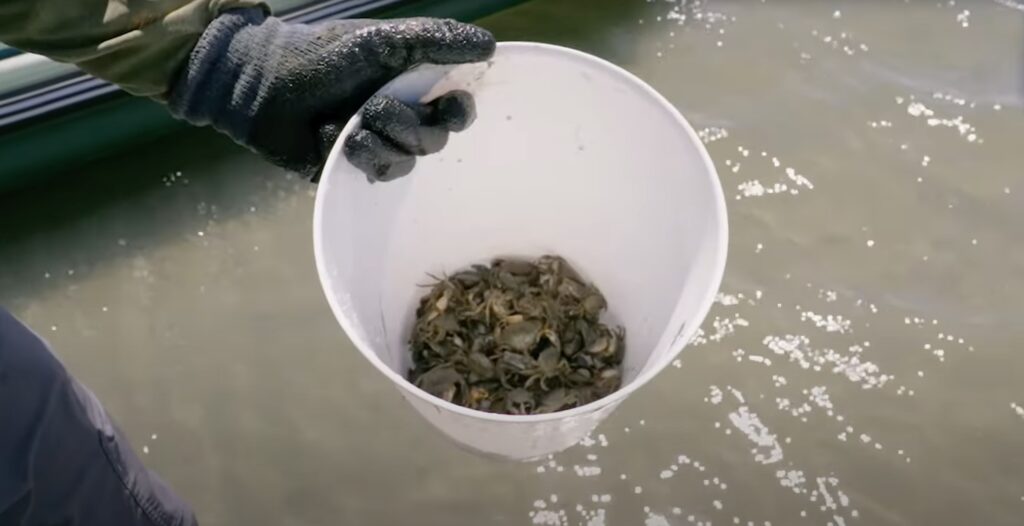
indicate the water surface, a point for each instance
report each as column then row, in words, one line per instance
column 861, row 365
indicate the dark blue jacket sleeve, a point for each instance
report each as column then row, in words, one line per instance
column 62, row 460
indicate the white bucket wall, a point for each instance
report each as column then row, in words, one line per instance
column 569, row 155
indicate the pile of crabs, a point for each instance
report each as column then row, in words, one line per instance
column 516, row 337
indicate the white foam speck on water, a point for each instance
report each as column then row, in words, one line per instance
column 964, row 129
column 717, row 504
column 1017, row 409
column 727, row 299
column 759, row 359
column 752, row 188
column 792, row 479
column 837, row 14
column 712, row 134
column 549, row 518
column 145, row 450
column 830, row 296
column 587, row 471
column 829, row 322
column 768, row 450
column 800, row 180
column 540, row 504
column 964, row 18
column 870, row 243
column 918, row 109
column 654, row 519
column 638, row 490
column 796, row 348
column 723, row 327
column 666, row 473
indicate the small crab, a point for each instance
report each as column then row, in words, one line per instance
column 495, row 303
column 608, row 346
column 520, row 336
column 572, row 289
column 515, row 362
column 516, row 267
column 607, row 381
column 478, row 398
column 466, row 278
column 579, row 376
column 558, row 400
column 530, row 306
column 549, row 365
column 480, row 365
column 443, row 382
column 593, row 304
column 436, row 302
column 519, row 402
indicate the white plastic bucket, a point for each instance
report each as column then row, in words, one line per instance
column 569, row 155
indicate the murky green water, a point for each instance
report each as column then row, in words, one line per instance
column 862, row 367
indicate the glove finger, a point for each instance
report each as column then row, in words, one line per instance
column 437, row 41
column 375, row 157
column 453, row 111
column 403, row 126
column 327, row 135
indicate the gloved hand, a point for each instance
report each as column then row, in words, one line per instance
column 286, row 90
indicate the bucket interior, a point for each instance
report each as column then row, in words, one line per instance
column 568, row 156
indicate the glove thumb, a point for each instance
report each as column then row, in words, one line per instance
column 437, row 41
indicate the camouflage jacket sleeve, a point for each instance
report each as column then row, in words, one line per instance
column 137, row 44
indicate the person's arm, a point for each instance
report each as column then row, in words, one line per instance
column 140, row 45
column 63, row 460
column 283, row 90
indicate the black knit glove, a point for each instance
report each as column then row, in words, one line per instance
column 286, row 90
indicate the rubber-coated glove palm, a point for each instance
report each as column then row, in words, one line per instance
column 286, row 90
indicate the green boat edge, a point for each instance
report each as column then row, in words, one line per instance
column 38, row 153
